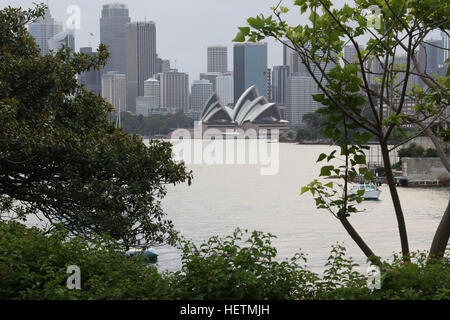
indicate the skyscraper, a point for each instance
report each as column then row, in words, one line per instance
column 92, row 79
column 217, row 59
column 141, row 59
column 174, row 91
column 201, row 90
column 224, row 88
column 296, row 66
column 114, row 89
column 113, row 27
column 150, row 102
column 65, row 38
column 43, row 29
column 350, row 54
column 162, row 65
column 211, row 77
column 280, row 76
column 292, row 60
column 250, row 67
column 299, row 99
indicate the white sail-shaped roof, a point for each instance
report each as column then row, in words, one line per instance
column 250, row 107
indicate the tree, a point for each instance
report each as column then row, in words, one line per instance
column 376, row 77
column 60, row 157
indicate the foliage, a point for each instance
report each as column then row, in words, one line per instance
column 237, row 268
column 244, row 265
column 369, row 92
column 60, row 156
column 33, row 266
column 154, row 125
column 416, row 151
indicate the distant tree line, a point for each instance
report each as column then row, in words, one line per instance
column 154, row 125
column 314, row 130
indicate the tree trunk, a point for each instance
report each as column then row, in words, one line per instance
column 441, row 236
column 358, row 240
column 395, row 201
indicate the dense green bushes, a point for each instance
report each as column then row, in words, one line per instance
column 416, row 151
column 241, row 266
column 33, row 266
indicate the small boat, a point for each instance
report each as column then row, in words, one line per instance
column 370, row 190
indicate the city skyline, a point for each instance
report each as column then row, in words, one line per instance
column 172, row 40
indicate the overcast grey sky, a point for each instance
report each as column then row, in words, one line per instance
column 184, row 28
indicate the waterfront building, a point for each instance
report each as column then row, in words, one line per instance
column 251, row 111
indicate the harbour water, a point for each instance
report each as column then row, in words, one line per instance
column 225, row 196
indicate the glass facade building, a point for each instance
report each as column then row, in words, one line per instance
column 250, row 67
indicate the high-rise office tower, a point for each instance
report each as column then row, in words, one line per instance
column 92, row 79
column 113, row 27
column 114, row 89
column 201, row 90
column 43, row 29
column 217, row 59
column 141, row 59
column 299, row 99
column 162, row 65
column 224, row 88
column 445, row 45
column 292, row 60
column 211, row 77
column 250, row 67
column 350, row 54
column 150, row 102
column 65, row 38
column 296, row 66
column 400, row 63
column 174, row 91
column 280, row 76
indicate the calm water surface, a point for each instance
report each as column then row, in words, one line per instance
column 223, row 197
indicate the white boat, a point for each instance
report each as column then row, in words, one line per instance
column 370, row 191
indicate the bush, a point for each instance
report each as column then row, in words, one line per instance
column 416, row 151
column 234, row 268
column 33, row 266
column 241, row 266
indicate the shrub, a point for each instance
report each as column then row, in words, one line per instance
column 33, row 265
column 236, row 268
column 241, row 266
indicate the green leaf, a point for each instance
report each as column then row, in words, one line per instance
column 239, row 37
column 360, row 159
column 321, row 157
column 326, row 171
column 304, row 189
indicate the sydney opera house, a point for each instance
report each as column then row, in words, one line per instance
column 251, row 111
